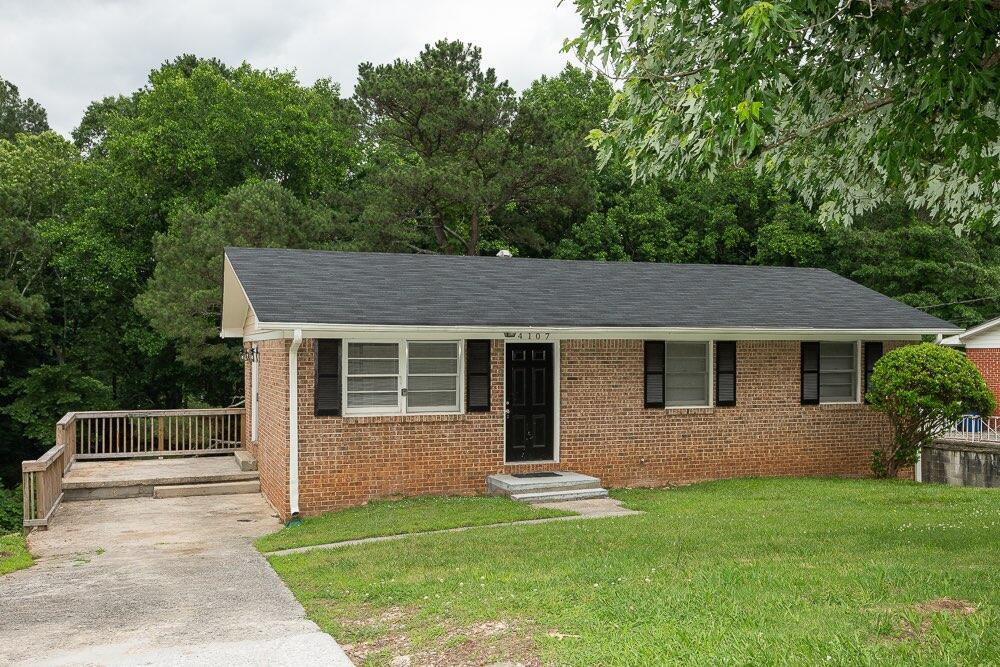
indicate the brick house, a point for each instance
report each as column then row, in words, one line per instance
column 982, row 347
column 373, row 375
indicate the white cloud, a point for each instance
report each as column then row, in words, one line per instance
column 67, row 54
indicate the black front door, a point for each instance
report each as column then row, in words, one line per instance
column 530, row 402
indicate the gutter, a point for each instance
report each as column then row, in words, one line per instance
column 293, row 426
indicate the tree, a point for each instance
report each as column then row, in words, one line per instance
column 183, row 298
column 19, row 115
column 452, row 147
column 737, row 219
column 921, row 262
column 923, row 389
column 849, row 103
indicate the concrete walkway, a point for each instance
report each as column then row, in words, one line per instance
column 592, row 508
column 156, row 582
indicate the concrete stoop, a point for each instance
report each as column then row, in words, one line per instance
column 552, row 487
column 172, row 477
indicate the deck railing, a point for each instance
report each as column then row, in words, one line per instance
column 135, row 433
column 973, row 428
column 42, row 483
column 123, row 434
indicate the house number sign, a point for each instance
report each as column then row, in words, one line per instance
column 526, row 335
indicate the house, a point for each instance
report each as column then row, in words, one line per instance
column 982, row 347
column 371, row 375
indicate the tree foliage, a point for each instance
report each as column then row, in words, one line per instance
column 19, row 115
column 923, row 389
column 454, row 147
column 849, row 103
column 183, row 297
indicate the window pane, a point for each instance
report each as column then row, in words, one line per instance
column 687, row 374
column 372, row 366
column 373, row 351
column 432, row 366
column 373, row 383
column 432, row 382
column 420, row 350
column 372, row 399
column 431, row 399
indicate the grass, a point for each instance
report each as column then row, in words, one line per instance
column 412, row 515
column 13, row 553
column 778, row 571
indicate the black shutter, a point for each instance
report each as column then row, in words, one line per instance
column 327, row 392
column 725, row 372
column 477, row 375
column 873, row 352
column 810, row 373
column 655, row 358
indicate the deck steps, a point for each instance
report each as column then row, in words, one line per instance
column 211, row 489
column 548, row 487
column 109, row 480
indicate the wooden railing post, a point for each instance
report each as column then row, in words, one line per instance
column 161, row 443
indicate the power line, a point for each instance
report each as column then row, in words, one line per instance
column 955, row 303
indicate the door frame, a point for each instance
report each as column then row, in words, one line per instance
column 556, row 381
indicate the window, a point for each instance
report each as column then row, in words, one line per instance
column 838, row 370
column 408, row 376
column 432, row 377
column 686, row 377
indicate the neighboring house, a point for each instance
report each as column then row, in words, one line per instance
column 982, row 347
column 371, row 375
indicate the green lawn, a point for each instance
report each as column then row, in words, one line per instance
column 13, row 553
column 412, row 515
column 777, row 571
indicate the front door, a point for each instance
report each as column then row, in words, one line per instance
column 530, row 402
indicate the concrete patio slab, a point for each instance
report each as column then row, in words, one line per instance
column 156, row 582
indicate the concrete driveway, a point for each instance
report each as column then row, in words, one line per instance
column 151, row 582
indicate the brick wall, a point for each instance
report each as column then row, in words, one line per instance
column 604, row 431
column 987, row 360
column 271, row 448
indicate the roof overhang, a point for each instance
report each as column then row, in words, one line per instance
column 969, row 335
column 235, row 304
column 265, row 330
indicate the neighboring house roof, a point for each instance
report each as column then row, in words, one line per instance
column 296, row 287
column 987, row 333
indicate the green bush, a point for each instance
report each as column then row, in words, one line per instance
column 923, row 389
column 10, row 510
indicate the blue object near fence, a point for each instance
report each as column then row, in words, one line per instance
column 971, row 424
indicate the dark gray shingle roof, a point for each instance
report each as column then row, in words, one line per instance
column 307, row 286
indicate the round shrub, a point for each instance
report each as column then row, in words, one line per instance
column 923, row 389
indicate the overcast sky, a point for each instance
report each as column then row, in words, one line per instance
column 66, row 54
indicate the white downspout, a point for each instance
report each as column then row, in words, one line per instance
column 293, row 424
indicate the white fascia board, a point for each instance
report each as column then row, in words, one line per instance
column 569, row 333
column 983, row 328
column 952, row 341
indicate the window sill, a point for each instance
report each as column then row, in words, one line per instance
column 843, row 405
column 690, row 409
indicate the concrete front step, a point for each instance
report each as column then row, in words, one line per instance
column 509, row 485
column 213, row 489
column 560, row 496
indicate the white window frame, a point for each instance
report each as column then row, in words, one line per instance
column 858, row 374
column 710, row 363
column 254, row 392
column 402, row 345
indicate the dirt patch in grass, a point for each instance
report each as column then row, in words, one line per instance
column 962, row 607
column 917, row 630
column 481, row 643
